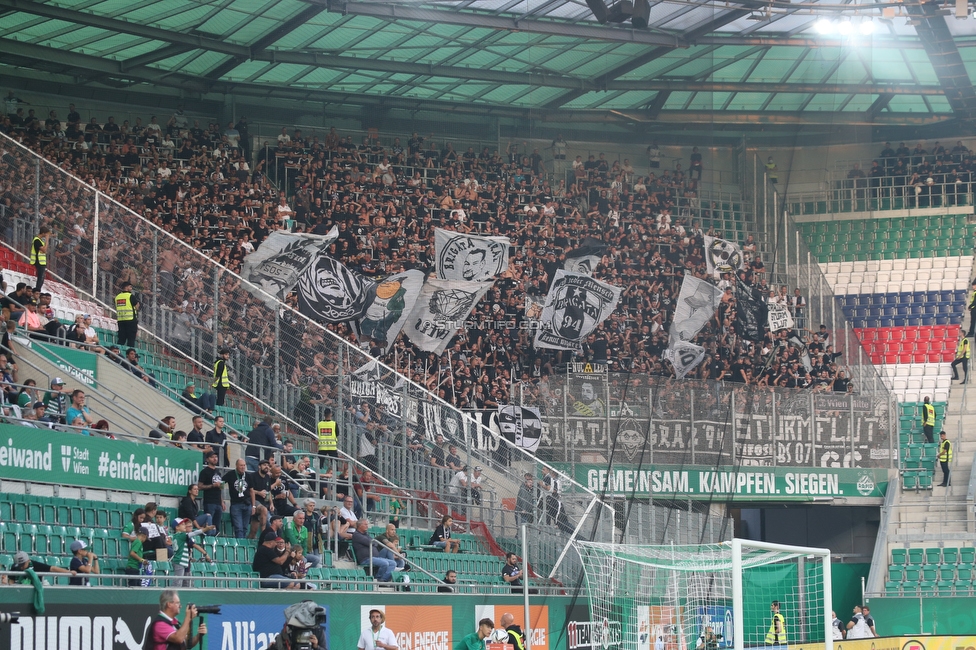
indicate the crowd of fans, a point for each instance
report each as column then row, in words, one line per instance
column 924, row 178
column 198, row 183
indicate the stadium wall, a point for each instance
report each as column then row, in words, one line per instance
column 928, row 615
column 115, row 619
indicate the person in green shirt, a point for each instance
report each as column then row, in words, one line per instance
column 182, row 546
column 476, row 640
column 294, row 532
column 136, row 559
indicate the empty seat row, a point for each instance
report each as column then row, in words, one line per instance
column 902, row 298
column 955, row 276
column 965, row 556
column 902, row 334
column 913, row 263
column 916, row 286
column 931, row 223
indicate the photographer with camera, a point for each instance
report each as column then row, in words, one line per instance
column 708, row 640
column 166, row 631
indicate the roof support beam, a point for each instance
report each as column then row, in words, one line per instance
column 877, row 106
column 941, row 48
column 492, row 21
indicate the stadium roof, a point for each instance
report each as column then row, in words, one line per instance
column 736, row 64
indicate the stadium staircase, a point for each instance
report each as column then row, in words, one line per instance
column 902, row 280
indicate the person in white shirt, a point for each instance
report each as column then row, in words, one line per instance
column 348, row 511
column 837, row 627
column 857, row 628
column 283, row 137
column 377, row 636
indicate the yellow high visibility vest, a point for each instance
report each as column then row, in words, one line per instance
column 124, row 310
column 962, row 350
column 772, row 637
column 220, row 378
column 37, row 257
column 928, row 415
column 327, row 435
column 945, row 451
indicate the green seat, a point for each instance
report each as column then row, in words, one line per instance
column 911, row 574
column 933, row 556
column 893, row 588
column 896, row 573
column 926, row 589
column 967, row 555
column 909, row 479
column 947, row 574
column 925, row 480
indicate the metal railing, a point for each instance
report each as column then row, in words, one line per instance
column 881, row 194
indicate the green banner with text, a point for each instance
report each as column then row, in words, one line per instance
column 47, row 456
column 80, row 365
column 738, row 483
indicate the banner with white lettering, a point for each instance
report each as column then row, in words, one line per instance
column 575, row 306
column 393, row 301
column 275, row 266
column 779, row 317
column 697, row 302
column 732, row 483
column 721, row 256
column 441, row 310
column 684, row 356
column 469, row 258
column 521, row 425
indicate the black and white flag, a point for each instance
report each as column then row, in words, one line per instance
column 441, row 310
column 722, row 256
column 275, row 266
column 750, row 313
column 521, row 425
column 684, row 356
column 575, row 306
column 469, row 258
column 585, row 258
column 331, row 293
column 779, row 317
column 386, row 315
column 697, row 302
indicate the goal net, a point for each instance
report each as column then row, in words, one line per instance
column 709, row 596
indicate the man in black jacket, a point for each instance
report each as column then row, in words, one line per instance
column 262, row 443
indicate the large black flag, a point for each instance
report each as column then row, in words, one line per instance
column 750, row 313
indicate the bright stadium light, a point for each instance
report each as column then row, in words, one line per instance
column 824, row 26
column 866, row 27
column 845, row 28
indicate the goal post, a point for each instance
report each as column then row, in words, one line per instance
column 730, row 596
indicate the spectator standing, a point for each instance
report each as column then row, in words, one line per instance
column 526, row 500
column 772, row 171
column 377, row 636
column 972, row 311
column 82, row 561
column 135, row 523
column 262, row 443
column 211, row 482
column 777, row 626
column 511, row 573
column 217, row 439
column 127, row 315
column 221, row 376
column 241, row 502
column 183, row 545
column 857, row 627
column 38, row 255
column 476, row 640
column 136, row 559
